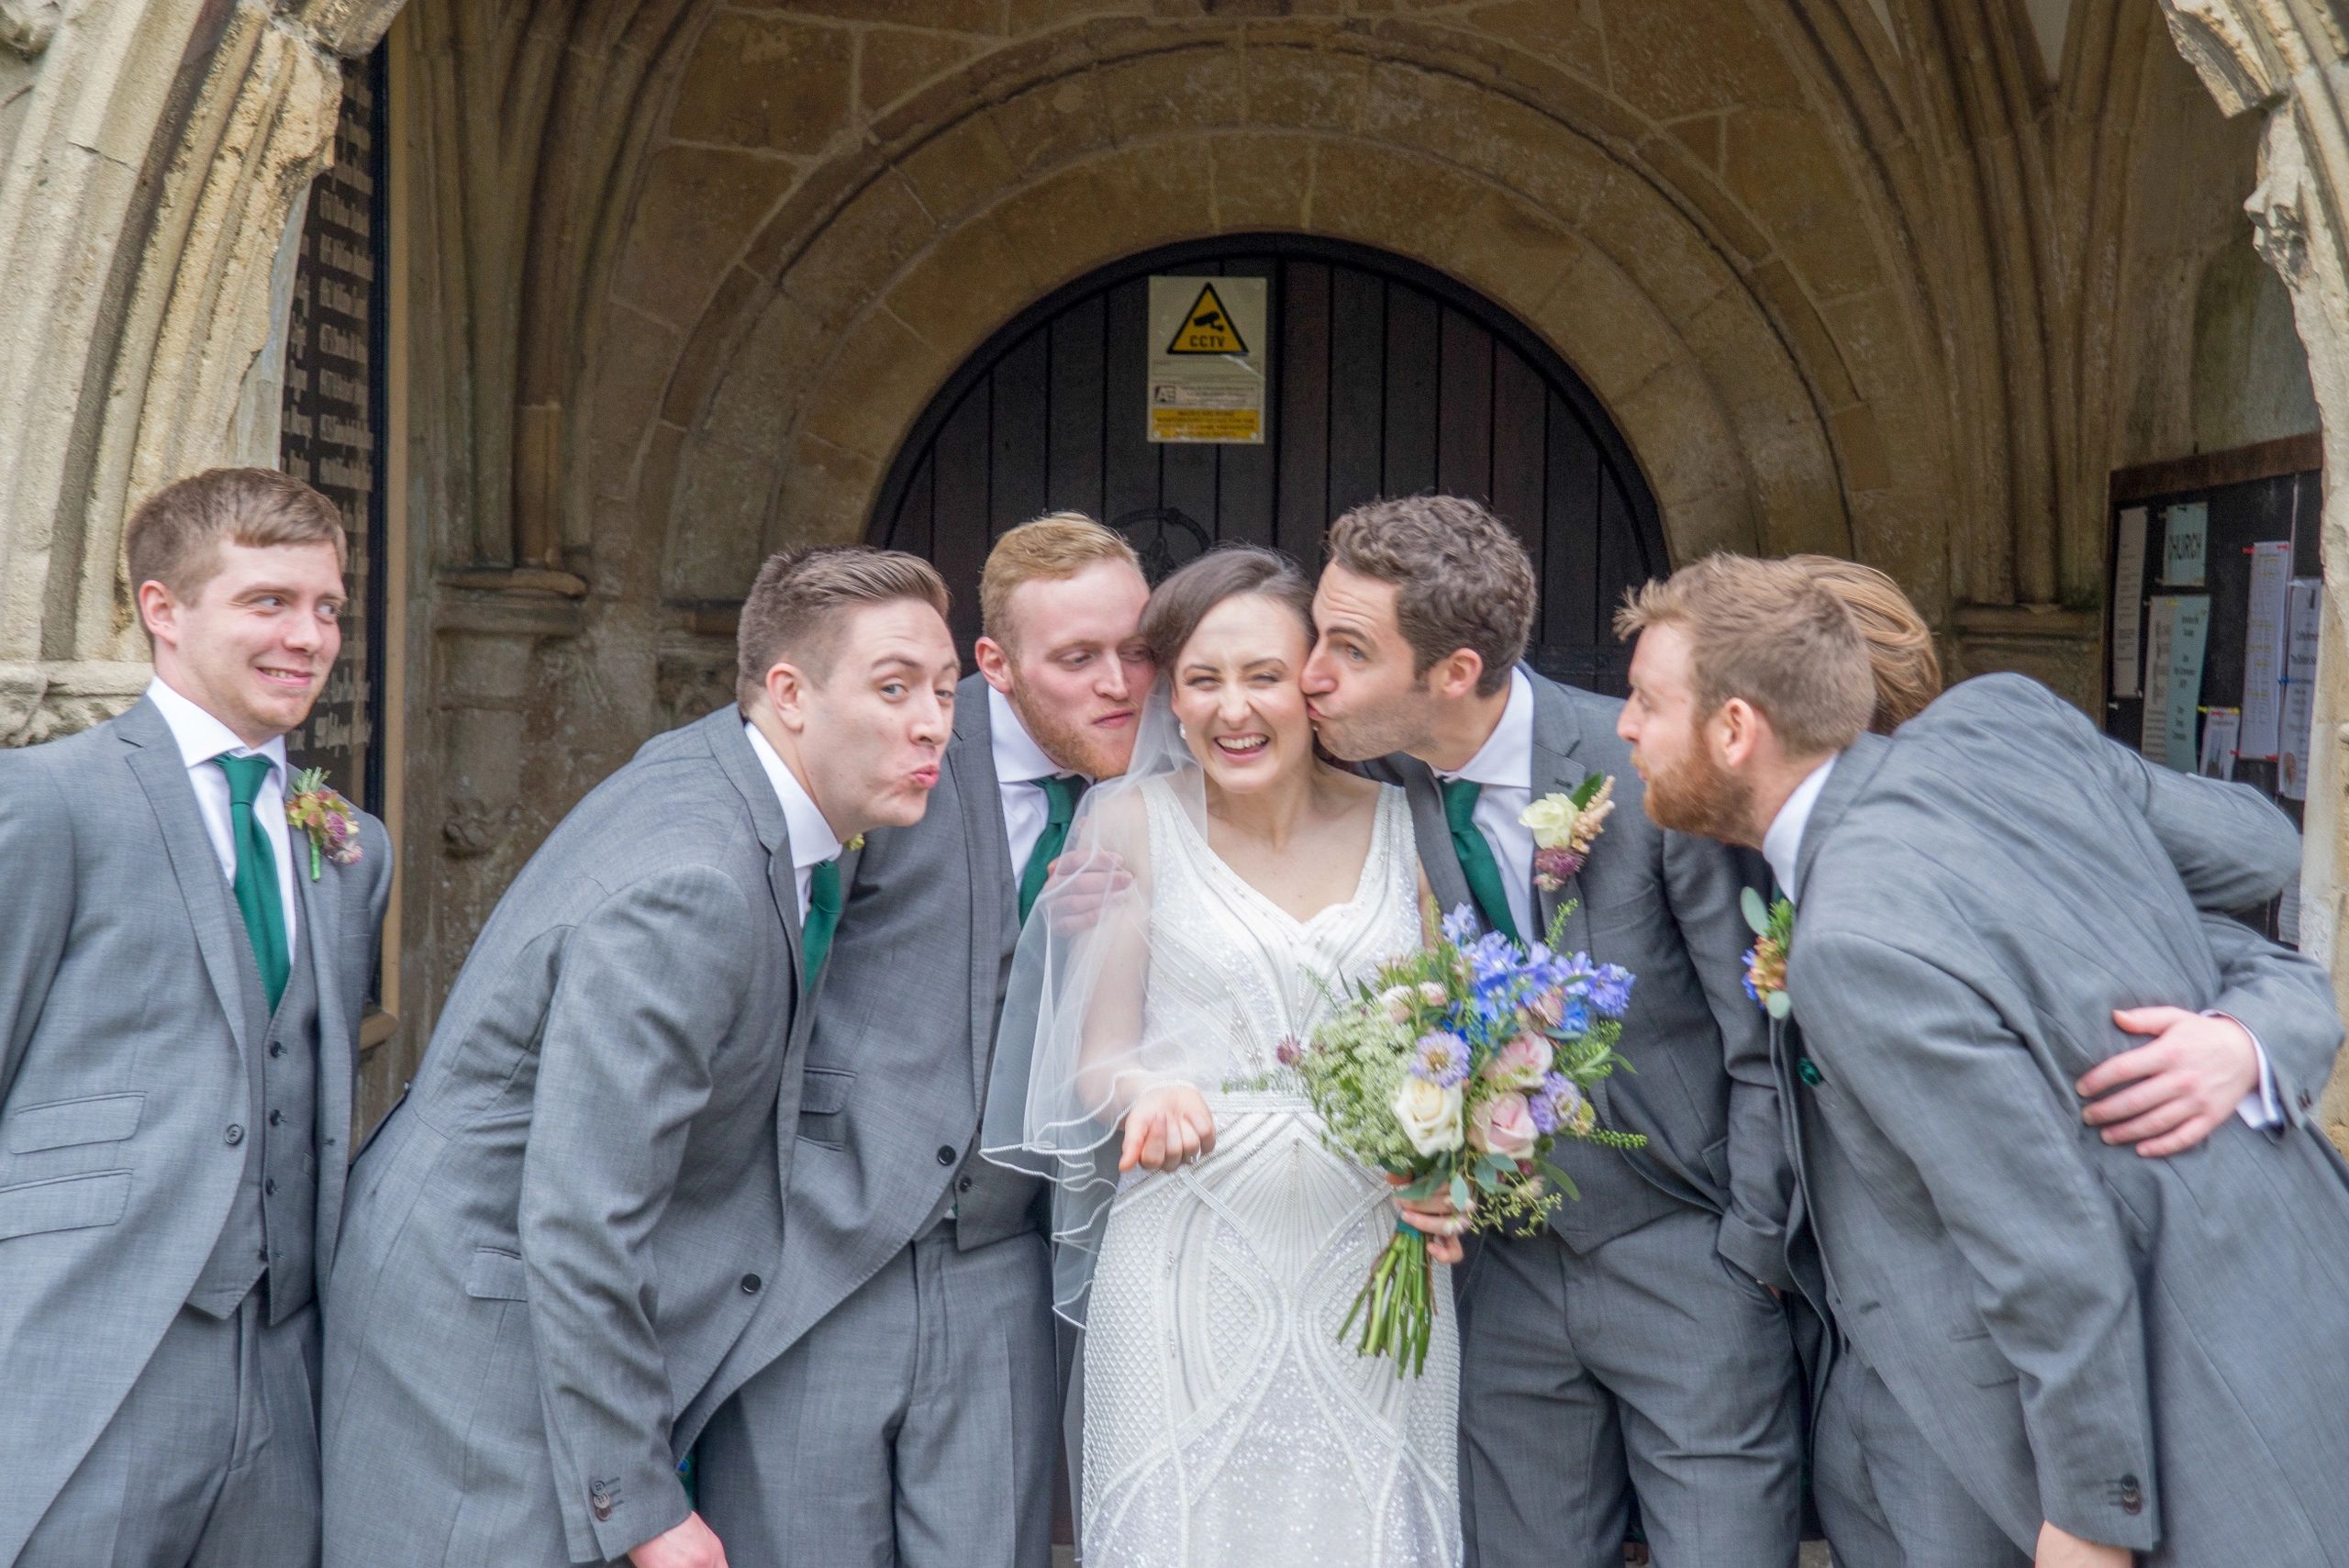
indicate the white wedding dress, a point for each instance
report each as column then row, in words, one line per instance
column 1225, row 1421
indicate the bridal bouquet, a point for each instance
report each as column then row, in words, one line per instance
column 1458, row 1067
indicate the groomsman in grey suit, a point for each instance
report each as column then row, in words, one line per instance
column 910, row 1413
column 559, row 1245
column 182, row 975
column 2111, row 1353
column 1641, row 1332
column 1882, row 1496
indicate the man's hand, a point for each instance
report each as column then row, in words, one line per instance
column 2058, row 1548
column 1435, row 1218
column 1083, row 887
column 1168, row 1126
column 689, row 1545
column 2169, row 1094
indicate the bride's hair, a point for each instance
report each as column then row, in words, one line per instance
column 1179, row 604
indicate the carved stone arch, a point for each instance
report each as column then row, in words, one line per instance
column 857, row 299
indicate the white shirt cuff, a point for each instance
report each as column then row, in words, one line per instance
column 2260, row 1109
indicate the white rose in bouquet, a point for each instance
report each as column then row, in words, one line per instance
column 1430, row 1115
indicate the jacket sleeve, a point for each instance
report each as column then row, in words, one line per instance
column 37, row 847
column 2286, row 1000
column 2233, row 848
column 1703, row 881
column 1931, row 1062
column 651, row 981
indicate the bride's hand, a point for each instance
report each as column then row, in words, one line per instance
column 1166, row 1127
column 1435, row 1218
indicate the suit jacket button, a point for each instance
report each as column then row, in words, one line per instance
column 1807, row 1071
column 750, row 1284
column 2132, row 1500
column 277, row 1119
column 945, row 1156
column 602, row 1507
column 963, row 1185
column 234, row 1135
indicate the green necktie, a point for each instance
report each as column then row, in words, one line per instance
column 258, row 898
column 1477, row 861
column 1061, row 793
column 823, row 916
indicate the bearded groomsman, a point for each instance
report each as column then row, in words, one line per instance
column 1642, row 1330
column 910, row 1415
column 560, row 1240
column 182, row 975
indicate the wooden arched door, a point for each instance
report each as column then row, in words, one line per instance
column 1386, row 379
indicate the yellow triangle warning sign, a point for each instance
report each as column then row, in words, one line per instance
column 1207, row 328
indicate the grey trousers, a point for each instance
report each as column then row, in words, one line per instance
column 1886, row 1499
column 1648, row 1366
column 211, row 1461
column 917, row 1426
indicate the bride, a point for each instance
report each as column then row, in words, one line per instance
column 1207, row 1241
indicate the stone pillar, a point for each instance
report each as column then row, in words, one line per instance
column 2290, row 63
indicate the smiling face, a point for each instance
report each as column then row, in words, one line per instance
column 869, row 730
column 1072, row 664
column 1689, row 786
column 253, row 644
column 1236, row 693
column 1360, row 685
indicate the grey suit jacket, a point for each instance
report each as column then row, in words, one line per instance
column 556, row 1240
column 123, row 1041
column 2143, row 1351
column 903, row 1041
column 1663, row 905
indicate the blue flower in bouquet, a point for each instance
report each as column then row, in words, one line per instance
column 1575, row 1017
column 1558, row 1106
column 1611, row 990
column 1441, row 1058
column 1460, row 926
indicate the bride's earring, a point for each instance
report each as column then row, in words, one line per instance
column 1182, row 734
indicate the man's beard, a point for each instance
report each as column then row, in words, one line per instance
column 1072, row 743
column 1380, row 731
column 1700, row 797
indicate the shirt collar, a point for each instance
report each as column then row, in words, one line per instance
column 201, row 737
column 811, row 836
column 1506, row 759
column 1018, row 758
column 1782, row 844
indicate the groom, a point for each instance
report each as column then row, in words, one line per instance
column 911, row 1414
column 2103, row 1348
column 181, row 987
column 1642, row 1330
column 561, row 1240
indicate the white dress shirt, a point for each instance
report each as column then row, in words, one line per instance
column 202, row 738
column 1018, row 763
column 1782, row 847
column 811, row 836
column 1504, row 766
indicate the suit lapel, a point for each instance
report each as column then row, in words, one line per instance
column 995, row 896
column 155, row 762
column 321, row 941
column 1433, row 830
column 740, row 764
column 1556, row 732
column 1854, row 769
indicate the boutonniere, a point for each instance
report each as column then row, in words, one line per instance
column 1565, row 827
column 855, row 843
column 331, row 821
column 1766, row 960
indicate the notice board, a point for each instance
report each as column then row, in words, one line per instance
column 2209, row 559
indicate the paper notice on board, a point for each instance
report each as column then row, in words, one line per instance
column 2186, row 543
column 2220, row 730
column 2127, row 600
column 2303, row 601
column 1207, row 363
column 2161, row 633
column 2263, row 650
column 2170, row 728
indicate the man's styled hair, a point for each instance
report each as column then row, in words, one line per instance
column 1901, row 645
column 1056, row 545
column 1462, row 578
column 174, row 536
column 796, row 608
column 1229, row 572
column 1771, row 632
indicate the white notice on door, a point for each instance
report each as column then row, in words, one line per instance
column 2263, row 650
column 2128, row 599
column 2303, row 599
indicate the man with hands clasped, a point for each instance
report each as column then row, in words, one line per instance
column 560, row 1245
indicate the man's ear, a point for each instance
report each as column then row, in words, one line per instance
column 159, row 613
column 1741, row 728
column 1455, row 675
column 788, row 688
column 993, row 660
